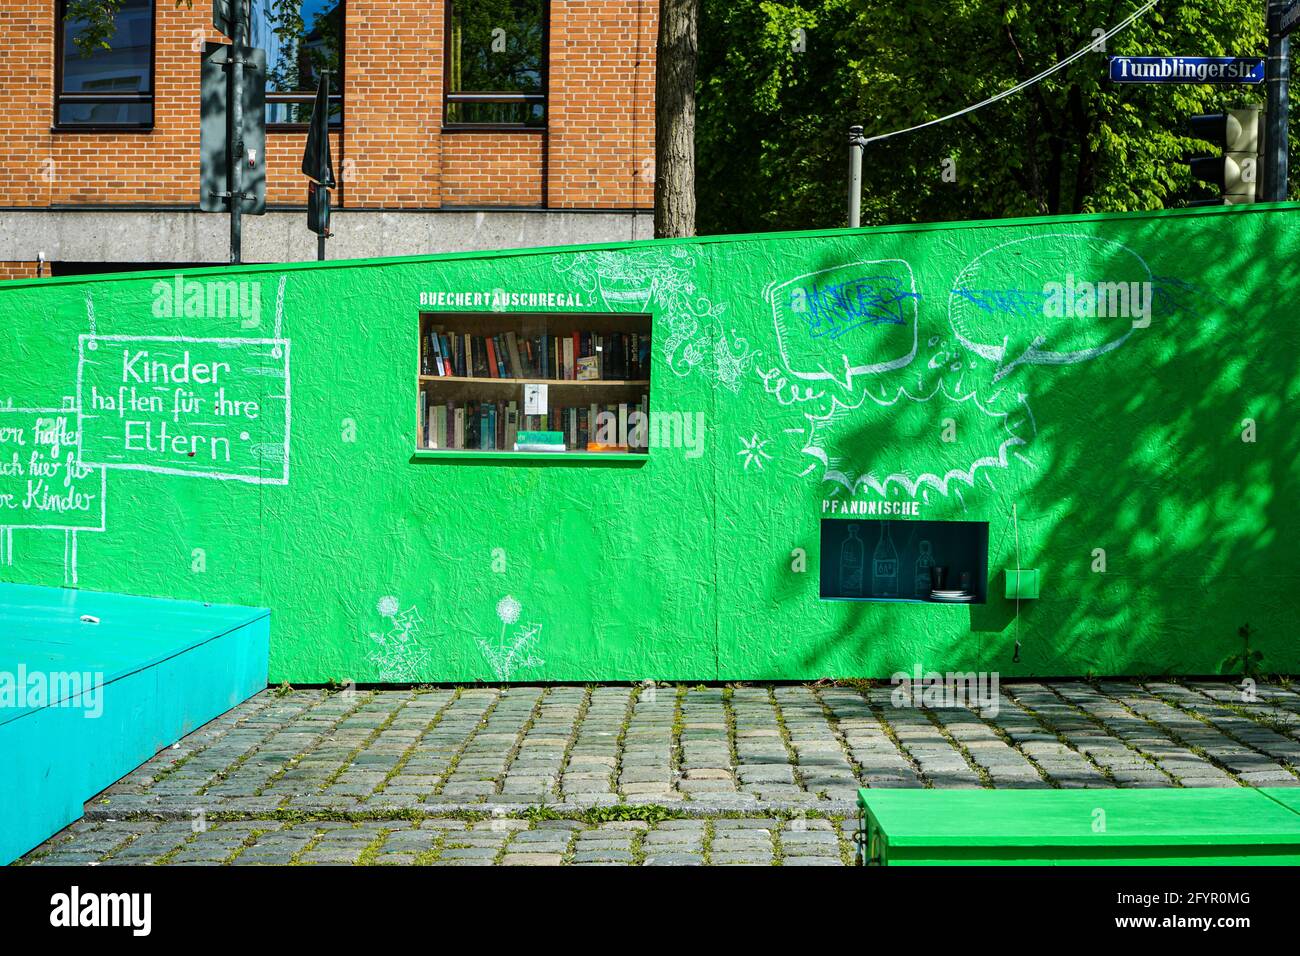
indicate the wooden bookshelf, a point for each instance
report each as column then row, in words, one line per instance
column 523, row 345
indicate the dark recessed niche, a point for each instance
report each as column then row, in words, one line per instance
column 893, row 560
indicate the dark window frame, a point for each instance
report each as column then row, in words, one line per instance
column 448, row 98
column 59, row 98
column 309, row 97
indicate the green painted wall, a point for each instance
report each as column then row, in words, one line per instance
column 949, row 382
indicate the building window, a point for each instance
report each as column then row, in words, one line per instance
column 301, row 38
column 110, row 86
column 496, row 63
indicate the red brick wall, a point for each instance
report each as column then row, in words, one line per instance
column 602, row 77
column 487, row 169
column 391, row 152
column 17, row 270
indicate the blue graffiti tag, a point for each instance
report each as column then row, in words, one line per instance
column 1010, row 301
column 834, row 310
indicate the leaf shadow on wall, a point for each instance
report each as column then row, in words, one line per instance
column 1158, row 487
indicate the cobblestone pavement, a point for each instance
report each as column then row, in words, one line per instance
column 748, row 774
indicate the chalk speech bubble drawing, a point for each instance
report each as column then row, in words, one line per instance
column 1050, row 300
column 866, row 454
column 855, row 319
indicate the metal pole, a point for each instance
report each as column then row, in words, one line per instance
column 1277, row 77
column 320, row 242
column 856, row 146
column 236, row 138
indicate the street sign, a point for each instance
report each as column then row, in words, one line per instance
column 1187, row 69
column 214, row 126
column 223, row 17
column 1289, row 18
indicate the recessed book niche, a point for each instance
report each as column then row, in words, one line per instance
column 534, row 384
column 938, row 562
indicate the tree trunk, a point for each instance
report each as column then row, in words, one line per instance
column 675, row 118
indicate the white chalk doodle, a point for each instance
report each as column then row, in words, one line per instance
column 177, row 405
column 776, row 384
column 516, row 646
column 688, row 322
column 43, row 484
column 754, row 452
column 398, row 656
column 1009, row 432
column 1050, row 299
column 1001, row 304
column 849, row 320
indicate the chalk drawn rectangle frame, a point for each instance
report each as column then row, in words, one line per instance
column 103, row 478
column 188, row 340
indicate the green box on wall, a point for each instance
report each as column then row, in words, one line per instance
column 1021, row 583
column 1120, row 382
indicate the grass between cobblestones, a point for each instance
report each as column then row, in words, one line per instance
column 642, row 774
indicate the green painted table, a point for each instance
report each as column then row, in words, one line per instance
column 1236, row 825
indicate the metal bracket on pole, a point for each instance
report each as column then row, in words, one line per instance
column 857, row 145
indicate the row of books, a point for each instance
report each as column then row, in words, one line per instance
column 575, row 356
column 497, row 426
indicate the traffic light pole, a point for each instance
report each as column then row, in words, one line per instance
column 235, row 103
column 1277, row 77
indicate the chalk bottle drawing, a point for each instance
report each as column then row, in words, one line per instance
column 853, row 558
column 921, row 585
column 884, row 567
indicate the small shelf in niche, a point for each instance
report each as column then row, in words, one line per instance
column 902, row 561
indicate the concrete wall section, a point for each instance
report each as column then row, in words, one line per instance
column 165, row 236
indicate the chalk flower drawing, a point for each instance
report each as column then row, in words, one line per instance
column 662, row 278
column 753, row 451
column 398, row 657
column 515, row 649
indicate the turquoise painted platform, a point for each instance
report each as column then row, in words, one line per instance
column 1212, row 826
column 157, row 670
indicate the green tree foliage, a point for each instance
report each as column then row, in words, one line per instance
column 780, row 83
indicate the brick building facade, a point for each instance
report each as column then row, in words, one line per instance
column 573, row 164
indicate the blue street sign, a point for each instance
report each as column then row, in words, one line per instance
column 1187, row 69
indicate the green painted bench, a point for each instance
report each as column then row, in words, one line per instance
column 93, row 684
column 1236, row 825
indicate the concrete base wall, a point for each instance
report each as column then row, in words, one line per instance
column 191, row 236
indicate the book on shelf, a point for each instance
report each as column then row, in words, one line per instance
column 500, row 426
column 574, row 356
column 540, row 441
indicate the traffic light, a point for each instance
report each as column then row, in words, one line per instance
column 1236, row 172
column 318, row 209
